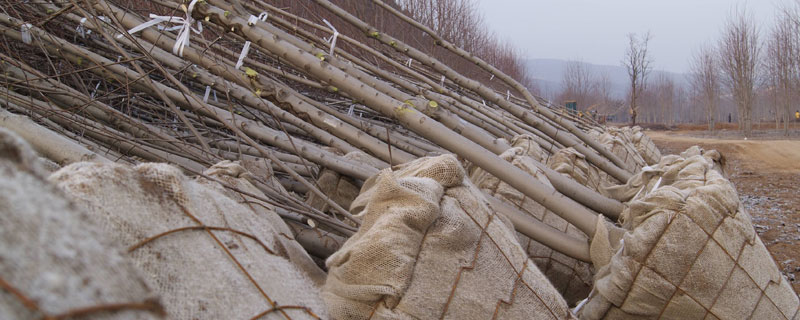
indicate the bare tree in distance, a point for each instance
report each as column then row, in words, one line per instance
column 638, row 64
column 705, row 80
column 591, row 90
column 665, row 98
column 783, row 63
column 577, row 83
column 604, row 103
column 739, row 52
column 780, row 64
column 682, row 103
column 603, row 87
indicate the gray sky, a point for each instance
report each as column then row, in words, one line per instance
column 595, row 31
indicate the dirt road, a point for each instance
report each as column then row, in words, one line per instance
column 767, row 176
column 761, row 155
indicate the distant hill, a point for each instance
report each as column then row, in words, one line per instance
column 547, row 74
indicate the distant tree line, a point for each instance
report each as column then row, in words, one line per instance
column 750, row 74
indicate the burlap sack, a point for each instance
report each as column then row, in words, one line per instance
column 258, row 170
column 341, row 189
column 573, row 164
column 211, row 253
column 646, row 147
column 666, row 170
column 49, row 165
column 531, row 148
column 572, row 278
column 620, row 142
column 690, row 253
column 235, row 175
column 52, row 256
column 430, row 247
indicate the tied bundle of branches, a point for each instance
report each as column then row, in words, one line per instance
column 199, row 82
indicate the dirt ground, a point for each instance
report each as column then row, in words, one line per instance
column 766, row 172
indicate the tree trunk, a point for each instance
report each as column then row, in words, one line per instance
column 409, row 117
column 612, row 168
column 47, row 143
column 60, row 47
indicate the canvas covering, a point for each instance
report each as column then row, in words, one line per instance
column 431, row 247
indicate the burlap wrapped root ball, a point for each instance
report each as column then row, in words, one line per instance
column 53, row 256
column 530, row 146
column 667, row 170
column 573, row 164
column 620, row 142
column 690, row 252
column 212, row 253
column 341, row 189
column 430, row 247
column 646, row 147
column 571, row 277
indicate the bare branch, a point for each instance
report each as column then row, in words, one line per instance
column 638, row 63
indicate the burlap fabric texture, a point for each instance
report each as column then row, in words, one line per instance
column 431, row 247
column 573, row 164
column 341, row 189
column 690, row 252
column 211, row 253
column 572, row 278
column 620, row 142
column 646, row 147
column 531, row 147
column 54, row 260
column 627, row 143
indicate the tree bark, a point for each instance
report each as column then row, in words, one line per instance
column 508, row 80
column 49, row 144
column 408, row 116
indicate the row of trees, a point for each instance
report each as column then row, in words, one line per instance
column 747, row 75
column 593, row 91
column 750, row 68
column 730, row 67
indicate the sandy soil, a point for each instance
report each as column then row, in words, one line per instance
column 766, row 173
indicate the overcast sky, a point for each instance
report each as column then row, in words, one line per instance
column 595, row 31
